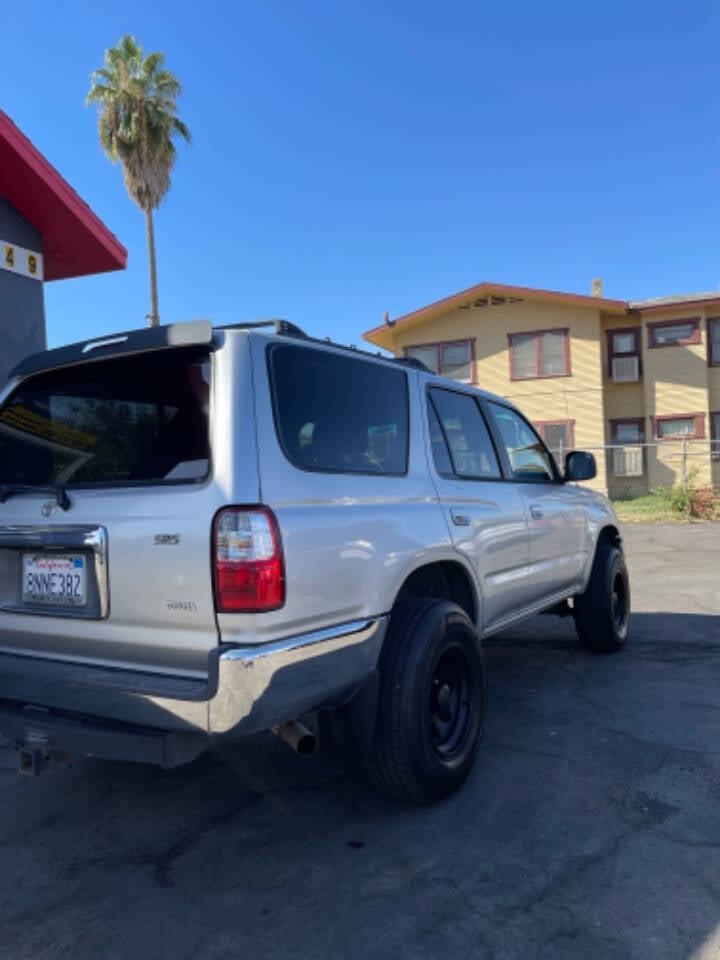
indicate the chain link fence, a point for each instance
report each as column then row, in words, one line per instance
column 640, row 470
column 659, row 473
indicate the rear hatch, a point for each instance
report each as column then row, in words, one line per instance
column 106, row 506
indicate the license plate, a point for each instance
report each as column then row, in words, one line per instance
column 57, row 579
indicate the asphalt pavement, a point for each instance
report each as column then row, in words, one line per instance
column 590, row 827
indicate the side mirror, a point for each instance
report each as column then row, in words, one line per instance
column 580, row 466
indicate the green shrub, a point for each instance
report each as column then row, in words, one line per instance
column 679, row 498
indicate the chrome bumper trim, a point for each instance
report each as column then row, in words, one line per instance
column 251, row 688
column 261, row 686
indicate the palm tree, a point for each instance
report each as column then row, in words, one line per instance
column 137, row 98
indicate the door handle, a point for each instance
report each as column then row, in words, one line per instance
column 536, row 512
column 460, row 519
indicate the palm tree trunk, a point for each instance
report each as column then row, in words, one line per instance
column 154, row 316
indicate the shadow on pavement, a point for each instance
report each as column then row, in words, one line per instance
column 590, row 827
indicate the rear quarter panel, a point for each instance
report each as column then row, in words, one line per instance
column 349, row 541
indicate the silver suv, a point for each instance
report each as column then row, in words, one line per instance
column 209, row 532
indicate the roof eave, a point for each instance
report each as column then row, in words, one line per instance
column 108, row 254
column 383, row 335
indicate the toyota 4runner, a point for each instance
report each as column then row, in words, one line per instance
column 213, row 532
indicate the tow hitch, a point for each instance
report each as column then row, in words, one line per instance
column 33, row 760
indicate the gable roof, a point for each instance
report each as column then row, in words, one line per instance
column 489, row 292
column 75, row 241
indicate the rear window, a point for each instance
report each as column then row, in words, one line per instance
column 339, row 414
column 133, row 420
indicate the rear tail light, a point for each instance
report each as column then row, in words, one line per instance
column 249, row 567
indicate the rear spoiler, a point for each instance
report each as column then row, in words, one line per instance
column 198, row 333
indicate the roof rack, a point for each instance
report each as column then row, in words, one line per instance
column 291, row 330
column 281, row 326
column 412, row 362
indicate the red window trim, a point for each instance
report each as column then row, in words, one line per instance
column 611, row 353
column 565, row 331
column 615, row 423
column 712, row 360
column 570, row 424
column 695, row 338
column 446, row 343
column 699, row 426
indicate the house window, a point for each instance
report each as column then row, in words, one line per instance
column 674, row 333
column 681, row 426
column 624, row 355
column 544, row 353
column 558, row 436
column 452, row 359
column 627, row 453
column 714, row 342
column 627, row 431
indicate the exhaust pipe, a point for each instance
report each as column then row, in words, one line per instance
column 297, row 736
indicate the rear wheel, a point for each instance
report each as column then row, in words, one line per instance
column 431, row 702
column 602, row 613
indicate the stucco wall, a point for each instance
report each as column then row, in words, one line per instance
column 22, row 309
column 675, row 381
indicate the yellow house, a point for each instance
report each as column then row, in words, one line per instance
column 637, row 382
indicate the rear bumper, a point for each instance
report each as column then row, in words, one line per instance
column 92, row 710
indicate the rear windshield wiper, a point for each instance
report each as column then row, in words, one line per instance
column 58, row 491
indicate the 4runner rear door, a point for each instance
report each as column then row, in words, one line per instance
column 485, row 513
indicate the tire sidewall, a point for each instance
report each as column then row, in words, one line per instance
column 615, row 565
column 593, row 615
column 444, row 626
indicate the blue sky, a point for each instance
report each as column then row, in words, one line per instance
column 352, row 158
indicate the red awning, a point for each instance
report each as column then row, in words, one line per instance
column 74, row 241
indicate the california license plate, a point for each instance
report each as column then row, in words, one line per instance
column 54, row 578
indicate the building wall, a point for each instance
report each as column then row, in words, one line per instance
column 577, row 397
column 622, row 401
column 22, row 309
column 674, row 380
column 714, row 406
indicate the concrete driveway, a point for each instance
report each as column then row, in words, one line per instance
column 589, row 829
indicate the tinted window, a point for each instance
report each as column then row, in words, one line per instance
column 529, row 460
column 471, row 448
column 339, row 414
column 440, row 452
column 133, row 420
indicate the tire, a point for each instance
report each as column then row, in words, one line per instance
column 602, row 613
column 431, row 702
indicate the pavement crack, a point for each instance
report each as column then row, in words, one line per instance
column 580, row 684
column 658, row 744
column 164, row 864
column 569, row 876
column 493, row 742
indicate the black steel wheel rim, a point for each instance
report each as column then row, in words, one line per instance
column 450, row 703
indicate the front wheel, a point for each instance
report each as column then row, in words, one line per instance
column 602, row 613
column 431, row 702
